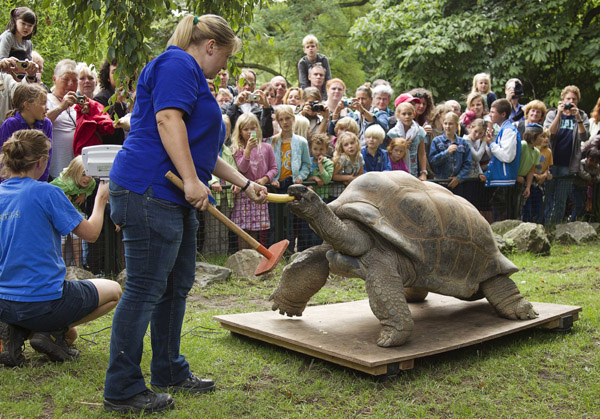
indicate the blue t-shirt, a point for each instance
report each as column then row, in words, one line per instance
column 171, row 80
column 33, row 216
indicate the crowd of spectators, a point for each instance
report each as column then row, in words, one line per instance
column 482, row 152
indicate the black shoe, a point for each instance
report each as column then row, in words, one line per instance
column 12, row 340
column 190, row 385
column 147, row 401
column 53, row 344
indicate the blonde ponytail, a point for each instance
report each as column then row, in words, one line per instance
column 194, row 30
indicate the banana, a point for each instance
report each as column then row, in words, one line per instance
column 279, row 198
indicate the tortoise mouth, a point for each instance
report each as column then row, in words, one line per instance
column 300, row 194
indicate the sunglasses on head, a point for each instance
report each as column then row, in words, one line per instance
column 419, row 95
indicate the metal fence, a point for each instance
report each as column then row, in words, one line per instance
column 559, row 200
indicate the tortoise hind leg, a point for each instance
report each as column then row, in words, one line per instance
column 504, row 296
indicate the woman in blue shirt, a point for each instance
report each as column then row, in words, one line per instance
column 35, row 299
column 176, row 125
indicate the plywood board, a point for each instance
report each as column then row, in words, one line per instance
column 346, row 333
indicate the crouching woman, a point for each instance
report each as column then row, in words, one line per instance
column 36, row 301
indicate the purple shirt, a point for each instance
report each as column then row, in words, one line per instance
column 16, row 123
column 261, row 162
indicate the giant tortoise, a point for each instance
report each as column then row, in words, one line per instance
column 402, row 236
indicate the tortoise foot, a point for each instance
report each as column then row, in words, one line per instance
column 519, row 309
column 390, row 336
column 285, row 306
column 415, row 294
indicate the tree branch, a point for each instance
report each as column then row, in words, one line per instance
column 261, row 67
column 353, row 3
column 589, row 16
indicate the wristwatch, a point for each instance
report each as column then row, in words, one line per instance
column 425, row 171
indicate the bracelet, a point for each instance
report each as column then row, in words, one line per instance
column 246, row 185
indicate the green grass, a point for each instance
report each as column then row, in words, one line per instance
column 533, row 374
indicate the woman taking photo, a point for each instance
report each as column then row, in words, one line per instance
column 175, row 125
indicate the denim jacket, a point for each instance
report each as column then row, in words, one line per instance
column 446, row 165
column 301, row 163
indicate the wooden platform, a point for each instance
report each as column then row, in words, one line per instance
column 346, row 333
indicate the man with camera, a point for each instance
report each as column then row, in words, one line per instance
column 13, row 72
column 569, row 127
column 513, row 89
column 250, row 100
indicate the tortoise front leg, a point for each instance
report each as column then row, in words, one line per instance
column 300, row 280
column 386, row 297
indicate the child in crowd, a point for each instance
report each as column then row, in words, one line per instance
column 321, row 173
column 310, row 46
column 301, row 126
column 587, row 177
column 322, row 167
column 15, row 41
column 407, row 127
column 376, row 159
column 293, row 165
column 506, row 156
column 398, row 153
column 293, row 97
column 450, row 156
column 77, row 186
column 533, row 209
column 478, row 146
column 530, row 159
column 477, row 104
column 29, row 102
column 348, row 163
column 344, row 124
column 256, row 161
column 482, row 85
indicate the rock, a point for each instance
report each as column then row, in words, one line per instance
column 529, row 237
column 122, row 277
column 206, row 274
column 505, row 246
column 574, row 233
column 244, row 262
column 596, row 226
column 502, row 227
column 75, row 273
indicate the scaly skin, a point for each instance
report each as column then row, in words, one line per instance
column 504, row 296
column 300, row 280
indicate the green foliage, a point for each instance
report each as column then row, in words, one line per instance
column 442, row 44
column 276, row 44
column 134, row 32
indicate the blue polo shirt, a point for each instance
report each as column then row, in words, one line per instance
column 380, row 162
column 33, row 216
column 172, row 80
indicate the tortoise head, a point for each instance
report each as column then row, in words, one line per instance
column 307, row 203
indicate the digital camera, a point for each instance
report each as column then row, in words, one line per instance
column 568, row 106
column 23, row 64
column 316, row 106
column 253, row 98
column 519, row 93
column 347, row 101
column 80, row 99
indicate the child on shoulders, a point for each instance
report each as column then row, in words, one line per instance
column 310, row 46
column 482, row 84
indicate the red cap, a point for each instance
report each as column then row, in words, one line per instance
column 406, row 97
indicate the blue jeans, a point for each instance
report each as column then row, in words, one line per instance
column 557, row 192
column 160, row 256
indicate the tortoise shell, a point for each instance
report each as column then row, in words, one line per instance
column 451, row 245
